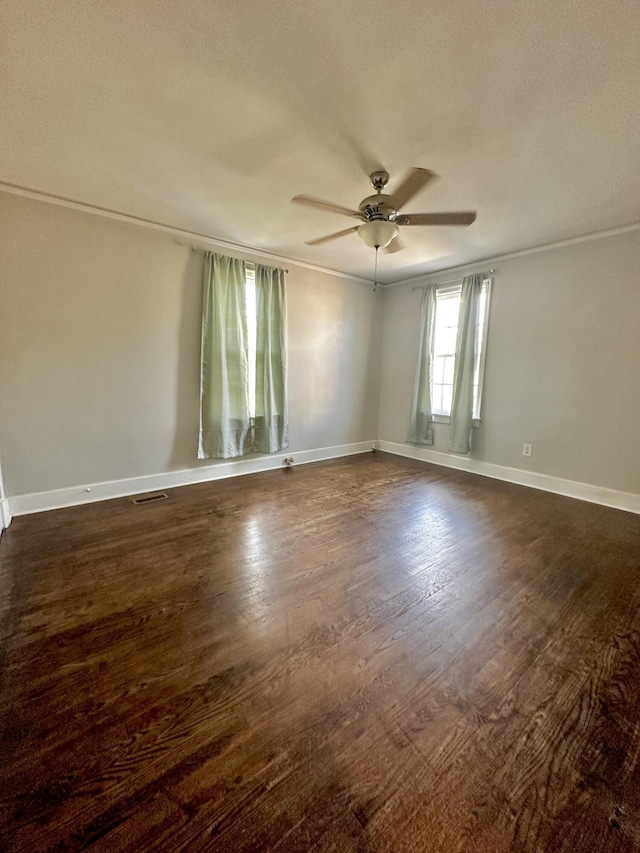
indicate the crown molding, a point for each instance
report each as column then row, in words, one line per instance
column 230, row 245
column 191, row 236
column 520, row 253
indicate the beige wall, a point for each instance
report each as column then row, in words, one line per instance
column 563, row 364
column 99, row 351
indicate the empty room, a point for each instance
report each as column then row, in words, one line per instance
column 319, row 401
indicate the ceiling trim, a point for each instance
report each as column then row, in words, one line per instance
column 218, row 242
column 520, row 253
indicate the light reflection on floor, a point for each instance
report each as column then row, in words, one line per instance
column 256, row 568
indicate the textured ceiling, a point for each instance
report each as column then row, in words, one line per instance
column 211, row 116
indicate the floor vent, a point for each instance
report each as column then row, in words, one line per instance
column 150, row 498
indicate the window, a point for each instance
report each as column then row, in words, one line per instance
column 444, row 349
column 243, row 394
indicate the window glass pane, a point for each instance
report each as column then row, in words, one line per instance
column 483, row 304
column 446, row 324
column 448, row 340
column 437, row 399
column 480, row 345
column 446, row 332
column 447, row 395
column 449, row 364
column 448, row 306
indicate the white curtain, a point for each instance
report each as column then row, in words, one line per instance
column 421, row 418
column 462, row 401
column 226, row 427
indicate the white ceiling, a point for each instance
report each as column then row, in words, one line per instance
column 210, row 116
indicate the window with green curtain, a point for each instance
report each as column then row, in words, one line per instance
column 444, row 347
column 450, row 365
column 243, row 396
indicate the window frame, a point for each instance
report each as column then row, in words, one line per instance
column 450, row 289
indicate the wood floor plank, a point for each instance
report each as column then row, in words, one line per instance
column 369, row 654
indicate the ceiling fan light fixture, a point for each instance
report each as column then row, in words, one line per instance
column 378, row 233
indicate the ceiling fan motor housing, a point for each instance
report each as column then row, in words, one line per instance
column 378, row 206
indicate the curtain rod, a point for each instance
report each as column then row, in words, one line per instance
column 449, row 281
column 204, row 252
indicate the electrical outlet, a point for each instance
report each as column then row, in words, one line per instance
column 527, row 449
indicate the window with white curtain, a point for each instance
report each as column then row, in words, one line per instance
column 444, row 349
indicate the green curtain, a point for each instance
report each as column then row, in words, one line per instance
column 225, row 425
column 462, row 402
column 271, row 422
column 421, row 419
column 226, row 428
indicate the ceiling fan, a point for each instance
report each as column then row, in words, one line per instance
column 380, row 213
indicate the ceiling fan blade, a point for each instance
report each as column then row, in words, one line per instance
column 454, row 218
column 413, row 182
column 396, row 245
column 331, row 236
column 324, row 205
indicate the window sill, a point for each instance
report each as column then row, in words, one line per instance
column 445, row 419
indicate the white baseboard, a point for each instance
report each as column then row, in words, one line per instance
column 569, row 488
column 92, row 492
column 5, row 514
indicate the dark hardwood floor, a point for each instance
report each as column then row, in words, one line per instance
column 369, row 654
